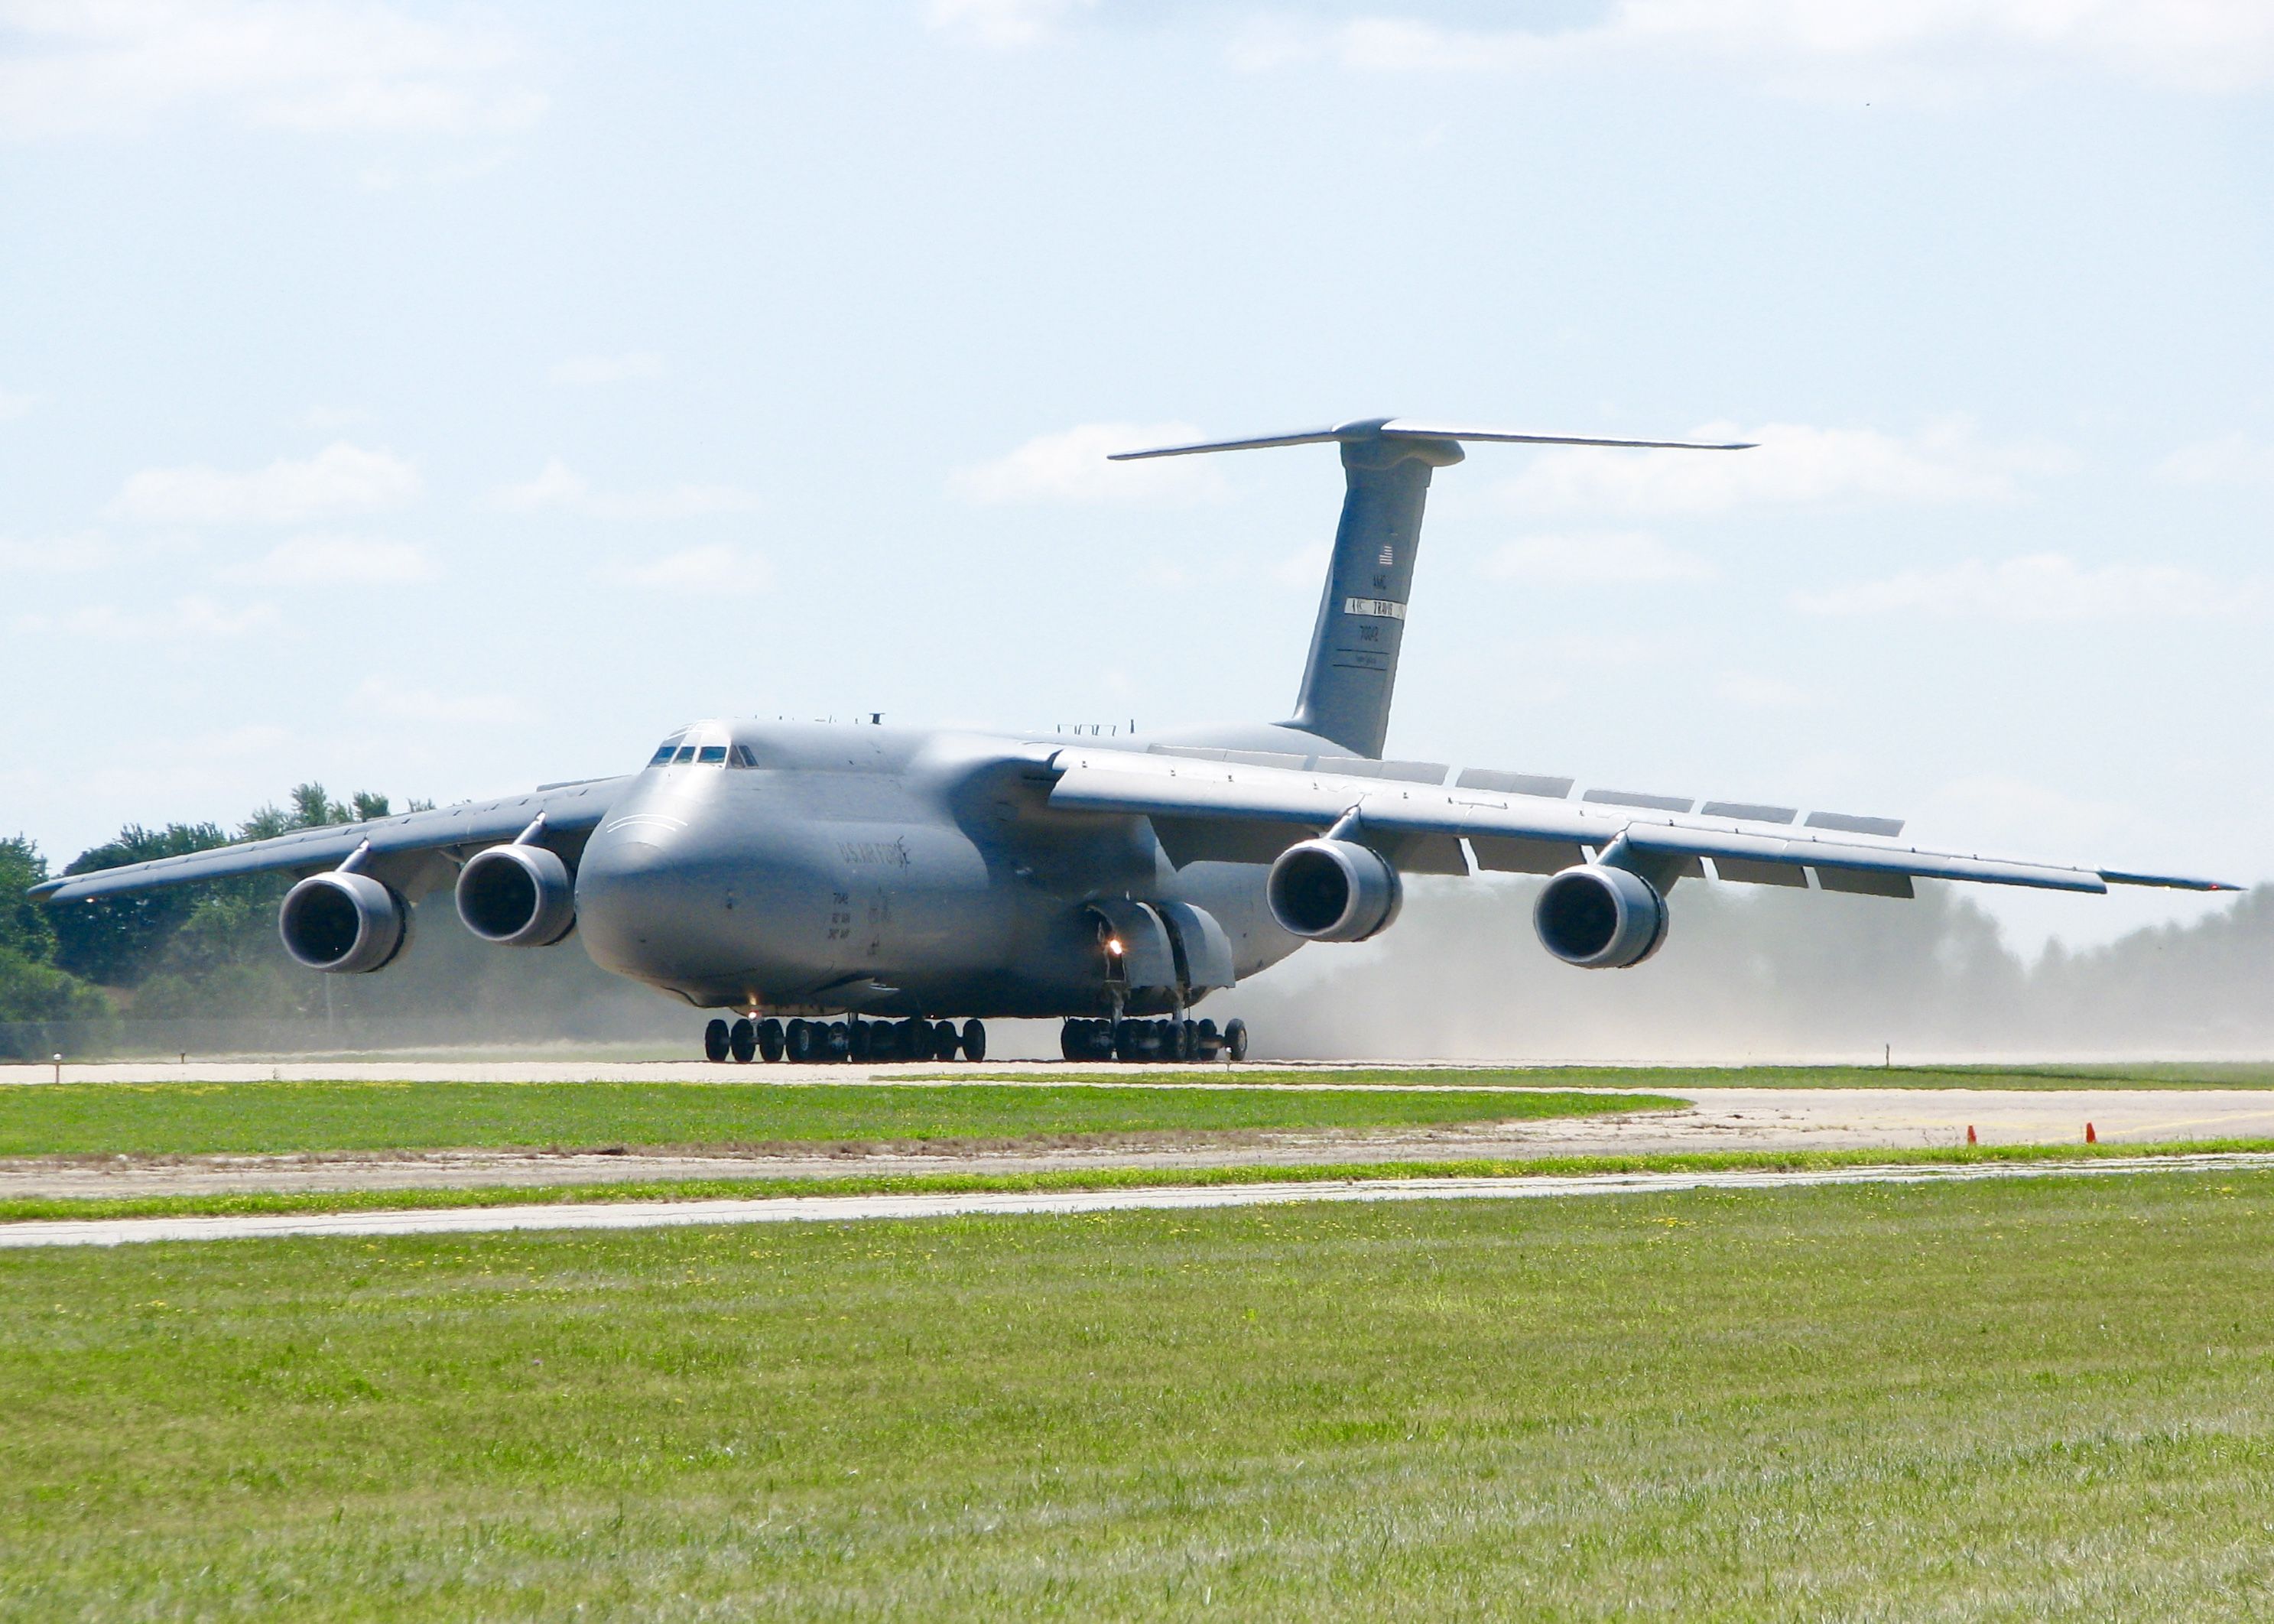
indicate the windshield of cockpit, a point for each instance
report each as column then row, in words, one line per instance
column 705, row 745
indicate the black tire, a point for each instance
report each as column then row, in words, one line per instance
column 975, row 1041
column 884, row 1042
column 770, row 1040
column 836, row 1041
column 1208, row 1041
column 714, row 1040
column 1128, row 1040
column 1235, row 1040
column 1190, row 1049
column 943, row 1040
column 800, row 1043
column 1074, row 1041
column 742, row 1042
column 859, row 1036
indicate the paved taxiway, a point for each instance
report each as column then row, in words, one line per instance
column 828, row 1209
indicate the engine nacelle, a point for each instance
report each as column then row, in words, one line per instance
column 1332, row 891
column 344, row 924
column 1600, row 918
column 517, row 896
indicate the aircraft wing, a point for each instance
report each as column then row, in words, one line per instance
column 1518, row 833
column 407, row 850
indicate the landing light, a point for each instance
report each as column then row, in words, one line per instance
column 1113, row 946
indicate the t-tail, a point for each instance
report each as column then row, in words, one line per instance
column 1387, row 461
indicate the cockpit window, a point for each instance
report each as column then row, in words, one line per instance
column 662, row 755
column 685, row 754
column 713, row 754
column 742, row 755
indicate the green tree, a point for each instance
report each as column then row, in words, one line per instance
column 25, row 927
column 115, row 940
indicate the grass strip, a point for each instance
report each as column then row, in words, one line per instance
column 228, row 1204
column 281, row 1117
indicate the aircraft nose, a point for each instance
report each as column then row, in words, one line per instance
column 624, row 894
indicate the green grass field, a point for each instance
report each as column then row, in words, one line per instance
column 208, row 1118
column 2026, row 1400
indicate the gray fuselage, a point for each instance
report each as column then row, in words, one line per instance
column 891, row 872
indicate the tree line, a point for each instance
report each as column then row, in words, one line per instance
column 189, row 950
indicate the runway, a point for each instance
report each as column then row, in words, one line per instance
column 840, row 1209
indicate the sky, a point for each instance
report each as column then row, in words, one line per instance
column 439, row 400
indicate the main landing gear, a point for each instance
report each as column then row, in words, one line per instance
column 867, row 1043
column 1153, row 1040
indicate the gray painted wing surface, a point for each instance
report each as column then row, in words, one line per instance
column 570, row 810
column 1112, row 781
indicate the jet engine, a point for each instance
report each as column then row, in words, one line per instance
column 1600, row 918
column 1332, row 891
column 517, row 896
column 343, row 923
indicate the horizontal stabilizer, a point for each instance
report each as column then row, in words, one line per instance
column 1412, row 428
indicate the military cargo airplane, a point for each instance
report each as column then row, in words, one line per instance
column 870, row 885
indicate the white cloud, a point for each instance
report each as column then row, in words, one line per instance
column 1834, row 47
column 340, row 479
column 560, row 488
column 1003, row 23
column 1627, row 557
column 1072, row 467
column 14, row 405
column 390, row 701
column 711, row 565
column 56, row 555
column 1792, row 464
column 2044, row 587
column 2229, row 460
column 587, row 370
column 324, row 65
column 194, row 617
column 327, row 561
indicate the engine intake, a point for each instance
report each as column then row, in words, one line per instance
column 1332, row 891
column 517, row 896
column 344, row 924
column 1600, row 918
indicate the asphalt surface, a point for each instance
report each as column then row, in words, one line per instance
column 839, row 1209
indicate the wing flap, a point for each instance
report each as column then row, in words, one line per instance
column 570, row 811
column 1519, row 833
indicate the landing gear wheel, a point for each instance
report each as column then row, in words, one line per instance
column 742, row 1042
column 943, row 1040
column 800, row 1042
column 1074, row 1041
column 975, row 1041
column 770, row 1040
column 884, row 1043
column 1235, row 1040
column 858, row 1041
column 837, row 1042
column 714, row 1040
column 1207, row 1042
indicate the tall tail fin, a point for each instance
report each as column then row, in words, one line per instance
column 1387, row 462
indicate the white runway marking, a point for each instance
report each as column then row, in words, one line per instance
column 841, row 1208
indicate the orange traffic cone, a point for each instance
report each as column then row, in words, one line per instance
column 2090, row 1138
column 1970, row 1133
